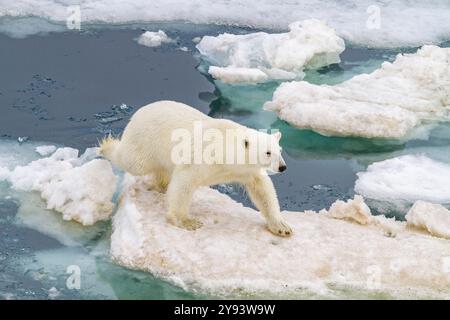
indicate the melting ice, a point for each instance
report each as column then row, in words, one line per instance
column 153, row 39
column 78, row 187
column 406, row 178
column 387, row 103
column 258, row 57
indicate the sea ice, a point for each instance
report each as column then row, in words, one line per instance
column 387, row 103
column 234, row 254
column 406, row 178
column 356, row 210
column 257, row 57
column 366, row 22
column 153, row 39
column 236, row 75
column 434, row 218
column 81, row 191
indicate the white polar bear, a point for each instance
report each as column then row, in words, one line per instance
column 185, row 149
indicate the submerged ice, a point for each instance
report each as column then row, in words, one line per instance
column 387, row 103
column 258, row 57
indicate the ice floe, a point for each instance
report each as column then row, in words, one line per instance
column 153, row 39
column 387, row 103
column 257, row 57
column 233, row 254
column 406, row 178
column 380, row 23
column 431, row 217
column 81, row 188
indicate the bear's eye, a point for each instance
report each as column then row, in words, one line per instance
column 268, row 153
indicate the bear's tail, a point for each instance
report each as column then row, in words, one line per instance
column 108, row 147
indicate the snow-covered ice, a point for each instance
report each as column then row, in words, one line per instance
column 257, row 57
column 236, row 75
column 234, row 254
column 45, row 150
column 406, row 178
column 431, row 217
column 365, row 22
column 357, row 210
column 81, row 188
column 153, row 39
column 387, row 103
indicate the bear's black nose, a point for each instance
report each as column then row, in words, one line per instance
column 282, row 168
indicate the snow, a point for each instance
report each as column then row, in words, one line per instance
column 376, row 24
column 233, row 254
column 406, row 178
column 45, row 150
column 236, row 75
column 387, row 103
column 153, row 39
column 81, row 188
column 356, row 210
column 431, row 217
column 257, row 57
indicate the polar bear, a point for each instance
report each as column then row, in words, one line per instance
column 184, row 149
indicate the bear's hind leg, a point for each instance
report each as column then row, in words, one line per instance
column 158, row 180
column 162, row 180
column 179, row 194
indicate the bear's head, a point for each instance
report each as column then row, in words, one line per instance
column 263, row 150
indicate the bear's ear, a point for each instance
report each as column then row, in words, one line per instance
column 246, row 143
column 277, row 135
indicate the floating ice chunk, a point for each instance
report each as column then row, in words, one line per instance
column 257, row 57
column 45, row 150
column 236, row 75
column 434, row 218
column 357, row 210
column 354, row 209
column 153, row 39
column 80, row 191
column 83, row 194
column 233, row 253
column 387, row 103
column 406, row 178
column 22, row 139
column 53, row 293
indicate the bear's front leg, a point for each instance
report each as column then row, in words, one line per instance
column 179, row 194
column 262, row 192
